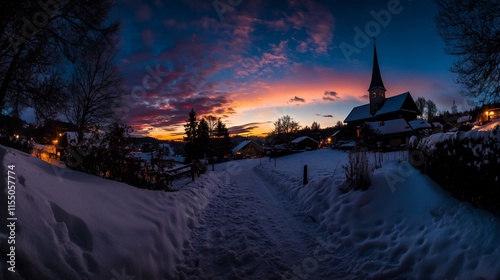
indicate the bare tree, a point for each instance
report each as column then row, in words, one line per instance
column 94, row 87
column 212, row 125
column 431, row 110
column 37, row 38
column 421, row 104
column 284, row 129
column 471, row 32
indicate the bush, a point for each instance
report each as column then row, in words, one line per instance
column 468, row 169
column 358, row 172
column 16, row 143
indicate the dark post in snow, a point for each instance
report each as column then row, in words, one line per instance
column 305, row 175
column 192, row 172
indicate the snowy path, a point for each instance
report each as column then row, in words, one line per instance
column 249, row 231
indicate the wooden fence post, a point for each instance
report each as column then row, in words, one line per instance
column 304, row 180
column 192, row 172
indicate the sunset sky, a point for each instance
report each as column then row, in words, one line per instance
column 259, row 60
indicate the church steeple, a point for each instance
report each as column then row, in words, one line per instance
column 377, row 89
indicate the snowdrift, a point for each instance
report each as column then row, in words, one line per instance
column 75, row 226
column 403, row 226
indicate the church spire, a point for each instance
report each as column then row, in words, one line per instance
column 376, row 77
column 377, row 89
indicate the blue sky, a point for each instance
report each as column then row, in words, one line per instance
column 265, row 59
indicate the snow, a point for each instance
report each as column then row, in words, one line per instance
column 464, row 119
column 390, row 126
column 302, row 138
column 241, row 146
column 403, row 226
column 359, row 113
column 249, row 219
column 485, row 132
column 147, row 156
column 77, row 226
column 419, row 124
column 391, row 104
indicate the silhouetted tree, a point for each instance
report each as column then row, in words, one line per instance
column 431, row 109
column 38, row 40
column 454, row 109
column 190, row 129
column 95, row 86
column 421, row 105
column 471, row 32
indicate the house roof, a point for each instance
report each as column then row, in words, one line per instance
column 243, row 145
column 302, row 138
column 464, row 119
column 419, row 124
column 390, row 126
column 391, row 104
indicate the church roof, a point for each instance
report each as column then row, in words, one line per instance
column 376, row 77
column 391, row 104
column 390, row 126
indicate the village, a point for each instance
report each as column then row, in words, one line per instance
column 232, row 139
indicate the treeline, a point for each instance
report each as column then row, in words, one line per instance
column 286, row 129
column 206, row 138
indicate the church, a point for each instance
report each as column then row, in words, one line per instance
column 393, row 118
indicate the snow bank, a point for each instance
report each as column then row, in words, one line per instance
column 73, row 225
column 490, row 131
column 404, row 225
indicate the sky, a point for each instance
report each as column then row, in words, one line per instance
column 250, row 62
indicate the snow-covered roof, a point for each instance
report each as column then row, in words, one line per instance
column 390, row 126
column 359, row 113
column 336, row 133
column 241, row 145
column 464, row 119
column 302, row 138
column 391, row 104
column 419, row 124
column 436, row 124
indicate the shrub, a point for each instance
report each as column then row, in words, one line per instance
column 467, row 168
column 358, row 172
column 16, row 143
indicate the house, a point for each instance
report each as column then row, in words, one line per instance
column 304, row 143
column 381, row 108
column 248, row 148
column 392, row 133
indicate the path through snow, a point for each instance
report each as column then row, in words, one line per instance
column 250, row 231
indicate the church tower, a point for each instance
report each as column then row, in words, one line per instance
column 377, row 89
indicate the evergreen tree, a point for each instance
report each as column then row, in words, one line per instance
column 202, row 141
column 191, row 134
column 222, row 141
